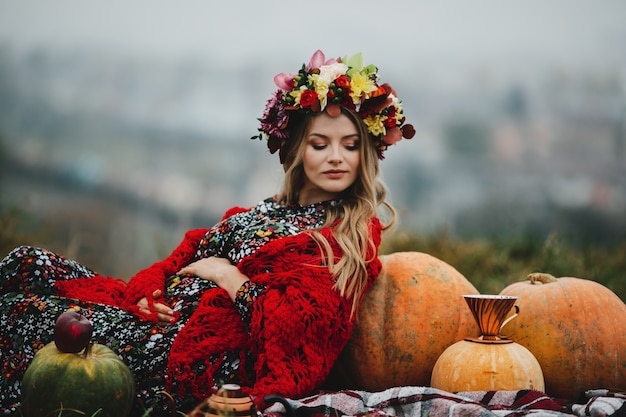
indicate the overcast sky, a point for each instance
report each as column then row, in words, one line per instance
column 402, row 34
column 406, row 39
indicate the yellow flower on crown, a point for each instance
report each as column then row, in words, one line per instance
column 296, row 94
column 360, row 83
column 321, row 88
column 375, row 124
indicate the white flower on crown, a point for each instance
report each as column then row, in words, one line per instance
column 330, row 72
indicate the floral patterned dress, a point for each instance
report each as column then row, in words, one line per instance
column 29, row 308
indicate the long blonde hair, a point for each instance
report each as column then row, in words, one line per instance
column 360, row 202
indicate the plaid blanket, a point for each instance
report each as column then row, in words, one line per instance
column 422, row 401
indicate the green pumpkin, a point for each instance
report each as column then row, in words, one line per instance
column 89, row 381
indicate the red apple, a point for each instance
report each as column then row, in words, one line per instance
column 72, row 332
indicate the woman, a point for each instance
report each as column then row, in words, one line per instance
column 266, row 298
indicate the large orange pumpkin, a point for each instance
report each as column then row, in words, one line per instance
column 576, row 329
column 412, row 313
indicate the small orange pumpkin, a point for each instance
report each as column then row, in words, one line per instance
column 475, row 366
column 488, row 362
column 412, row 313
column 576, row 328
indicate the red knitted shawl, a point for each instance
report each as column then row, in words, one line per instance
column 299, row 324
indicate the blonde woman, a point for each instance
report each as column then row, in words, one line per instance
column 267, row 297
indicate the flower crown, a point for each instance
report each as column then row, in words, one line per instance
column 328, row 85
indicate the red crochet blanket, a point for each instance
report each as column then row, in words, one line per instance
column 298, row 328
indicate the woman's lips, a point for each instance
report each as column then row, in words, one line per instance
column 334, row 174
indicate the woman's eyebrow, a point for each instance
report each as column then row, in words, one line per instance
column 321, row 135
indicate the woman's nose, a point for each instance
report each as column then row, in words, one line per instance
column 335, row 154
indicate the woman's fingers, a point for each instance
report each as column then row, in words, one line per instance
column 165, row 314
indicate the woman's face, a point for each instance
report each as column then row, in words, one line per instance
column 331, row 158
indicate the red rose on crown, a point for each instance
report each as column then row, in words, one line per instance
column 342, row 82
column 309, row 99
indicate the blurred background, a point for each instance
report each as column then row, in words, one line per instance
column 123, row 124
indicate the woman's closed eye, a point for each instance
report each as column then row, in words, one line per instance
column 349, row 146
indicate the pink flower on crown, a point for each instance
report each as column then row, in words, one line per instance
column 285, row 81
column 318, row 59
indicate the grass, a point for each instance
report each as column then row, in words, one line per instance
column 72, row 412
column 492, row 264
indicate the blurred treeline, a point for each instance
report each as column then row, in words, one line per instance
column 489, row 264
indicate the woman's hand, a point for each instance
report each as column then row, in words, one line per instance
column 218, row 270
column 164, row 312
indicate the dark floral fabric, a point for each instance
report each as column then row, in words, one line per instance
column 29, row 307
column 239, row 236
